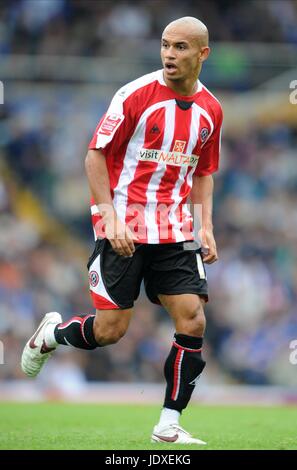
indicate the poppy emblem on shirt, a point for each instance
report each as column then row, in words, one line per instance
column 94, row 278
column 204, row 134
column 179, row 146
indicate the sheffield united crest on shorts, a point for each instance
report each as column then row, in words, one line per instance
column 94, row 278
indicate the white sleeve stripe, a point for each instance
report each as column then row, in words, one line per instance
column 115, row 114
column 207, row 90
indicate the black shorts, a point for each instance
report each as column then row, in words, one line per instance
column 171, row 268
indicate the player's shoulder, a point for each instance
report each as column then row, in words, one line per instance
column 212, row 101
column 140, row 84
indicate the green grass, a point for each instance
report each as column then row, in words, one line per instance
column 118, row 427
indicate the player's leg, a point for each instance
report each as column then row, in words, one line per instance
column 83, row 332
column 112, row 297
column 91, row 331
column 184, row 363
column 114, row 284
column 178, row 281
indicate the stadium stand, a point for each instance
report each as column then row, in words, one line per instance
column 45, row 233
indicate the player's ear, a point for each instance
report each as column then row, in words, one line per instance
column 204, row 53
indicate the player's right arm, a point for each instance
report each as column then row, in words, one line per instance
column 116, row 232
column 113, row 131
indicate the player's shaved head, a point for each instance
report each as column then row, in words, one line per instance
column 184, row 48
column 194, row 29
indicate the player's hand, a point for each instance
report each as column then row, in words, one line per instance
column 208, row 246
column 120, row 236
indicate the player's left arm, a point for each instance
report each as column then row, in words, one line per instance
column 202, row 194
column 203, row 186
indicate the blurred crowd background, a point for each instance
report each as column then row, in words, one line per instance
column 61, row 61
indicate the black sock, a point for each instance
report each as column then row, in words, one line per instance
column 182, row 369
column 77, row 332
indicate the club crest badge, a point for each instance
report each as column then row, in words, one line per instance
column 94, row 278
column 204, row 134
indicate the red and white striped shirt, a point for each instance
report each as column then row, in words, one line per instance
column 154, row 141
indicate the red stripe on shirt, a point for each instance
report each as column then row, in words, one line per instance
column 182, row 127
column 137, row 189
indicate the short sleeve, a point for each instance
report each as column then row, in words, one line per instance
column 208, row 161
column 115, row 124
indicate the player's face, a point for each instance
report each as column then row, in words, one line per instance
column 181, row 56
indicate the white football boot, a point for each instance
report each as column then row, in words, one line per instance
column 36, row 352
column 173, row 434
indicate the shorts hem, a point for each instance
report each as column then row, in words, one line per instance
column 116, row 307
column 187, row 291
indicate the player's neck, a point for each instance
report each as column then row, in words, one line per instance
column 184, row 87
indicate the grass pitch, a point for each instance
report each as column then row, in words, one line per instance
column 128, row 427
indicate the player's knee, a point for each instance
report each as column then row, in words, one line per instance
column 197, row 323
column 199, row 326
column 105, row 336
column 193, row 321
